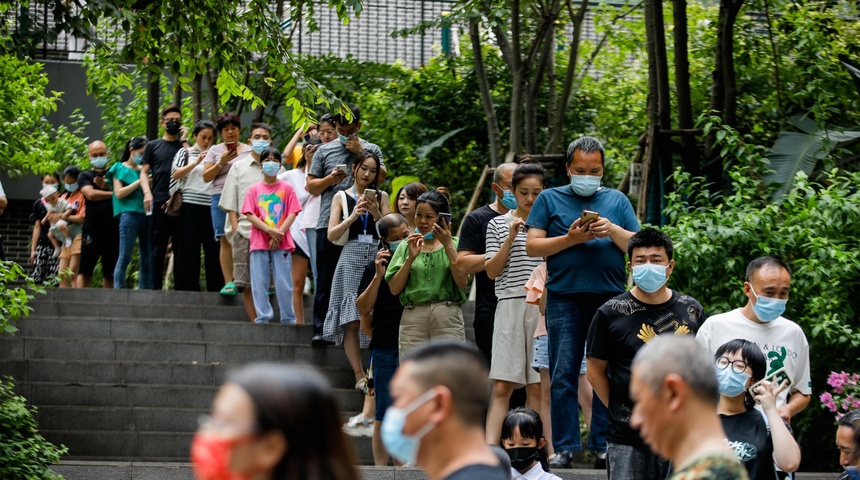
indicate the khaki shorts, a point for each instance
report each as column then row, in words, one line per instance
column 513, row 341
column 423, row 323
column 241, row 254
column 67, row 252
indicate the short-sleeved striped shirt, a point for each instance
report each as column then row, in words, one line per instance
column 518, row 269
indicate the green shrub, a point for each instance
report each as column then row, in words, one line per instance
column 24, row 453
column 815, row 228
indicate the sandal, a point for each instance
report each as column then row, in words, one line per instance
column 229, row 289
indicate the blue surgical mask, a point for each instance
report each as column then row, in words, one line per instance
column 260, row 146
column 99, row 162
column 509, row 200
column 70, row 187
column 427, row 236
column 853, row 473
column 731, row 383
column 768, row 309
column 138, row 159
column 584, row 185
column 392, row 246
column 404, row 447
column 343, row 138
column 270, row 169
column 649, row 277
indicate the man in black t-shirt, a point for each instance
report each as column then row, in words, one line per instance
column 101, row 229
column 439, row 404
column 380, row 313
column 619, row 329
column 470, row 257
column 158, row 159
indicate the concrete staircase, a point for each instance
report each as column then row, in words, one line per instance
column 122, row 375
column 16, row 230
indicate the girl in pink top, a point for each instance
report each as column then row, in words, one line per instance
column 271, row 206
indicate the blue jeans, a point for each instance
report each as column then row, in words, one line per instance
column 384, row 361
column 311, row 235
column 133, row 225
column 567, row 321
column 281, row 265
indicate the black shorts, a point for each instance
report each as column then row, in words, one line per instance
column 298, row 251
column 100, row 240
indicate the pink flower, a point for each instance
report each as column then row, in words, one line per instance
column 834, row 380
column 827, row 399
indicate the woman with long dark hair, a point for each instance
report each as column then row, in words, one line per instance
column 277, row 422
column 761, row 439
column 42, row 256
column 134, row 221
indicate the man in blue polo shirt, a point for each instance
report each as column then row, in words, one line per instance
column 585, row 268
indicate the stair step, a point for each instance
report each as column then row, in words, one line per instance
column 130, row 372
column 143, row 395
column 21, row 348
column 140, row 419
column 40, row 325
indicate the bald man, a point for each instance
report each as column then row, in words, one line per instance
column 101, row 229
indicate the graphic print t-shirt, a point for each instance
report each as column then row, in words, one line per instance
column 620, row 328
column 747, row 435
column 712, row 467
column 271, row 203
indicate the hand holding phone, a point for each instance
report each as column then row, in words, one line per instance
column 776, row 379
column 587, row 217
column 341, row 168
column 370, row 195
column 444, row 220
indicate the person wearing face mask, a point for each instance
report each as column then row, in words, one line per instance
column 330, row 173
column 621, row 327
column 436, row 420
column 158, row 161
column 848, row 444
column 767, row 285
column 100, row 237
column 380, row 312
column 761, row 439
column 244, row 172
column 522, row 439
column 70, row 255
column 471, row 254
column 42, row 257
column 271, row 207
column 134, row 219
column 275, row 422
column 586, row 268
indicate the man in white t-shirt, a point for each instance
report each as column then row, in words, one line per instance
column 768, row 281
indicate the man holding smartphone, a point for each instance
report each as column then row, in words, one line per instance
column 101, row 229
column 330, row 173
column 586, row 268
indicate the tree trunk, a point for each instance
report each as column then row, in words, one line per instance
column 153, row 102
column 773, row 47
column 689, row 155
column 213, row 96
column 493, row 133
column 518, row 68
column 730, row 103
column 265, row 91
column 197, row 98
column 662, row 66
column 177, row 94
column 553, row 112
column 556, row 142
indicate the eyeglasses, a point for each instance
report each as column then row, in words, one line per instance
column 738, row 366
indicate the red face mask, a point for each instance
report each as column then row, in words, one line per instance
column 211, row 457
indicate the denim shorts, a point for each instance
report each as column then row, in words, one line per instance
column 219, row 217
column 541, row 358
column 384, row 362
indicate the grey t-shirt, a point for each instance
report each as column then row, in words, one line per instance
column 328, row 156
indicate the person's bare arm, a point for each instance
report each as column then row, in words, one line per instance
column 596, row 375
column 291, row 145
column 496, row 265
column 397, row 283
column 181, row 172
column 144, row 185
column 797, row 402
column 4, row 202
column 538, row 245
column 602, row 228
column 122, row 192
column 336, row 227
column 234, row 220
column 316, row 186
column 470, row 262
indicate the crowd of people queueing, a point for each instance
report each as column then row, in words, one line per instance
column 553, row 311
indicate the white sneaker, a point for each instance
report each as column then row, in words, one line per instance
column 359, row 426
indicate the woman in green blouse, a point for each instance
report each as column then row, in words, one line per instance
column 423, row 273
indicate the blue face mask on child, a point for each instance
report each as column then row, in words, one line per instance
column 270, row 169
column 731, row 383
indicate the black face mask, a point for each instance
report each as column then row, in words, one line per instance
column 172, row 127
column 522, row 457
